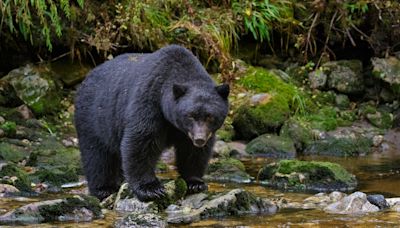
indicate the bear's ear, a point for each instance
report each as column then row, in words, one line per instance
column 223, row 90
column 179, row 90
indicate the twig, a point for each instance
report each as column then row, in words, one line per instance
column 350, row 38
column 308, row 43
column 328, row 36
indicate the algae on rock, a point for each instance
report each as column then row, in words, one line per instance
column 298, row 175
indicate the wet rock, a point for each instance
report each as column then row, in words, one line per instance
column 13, row 175
column 142, row 220
column 35, row 87
column 272, row 146
column 227, row 170
column 355, row 203
column 379, row 201
column 125, row 201
column 238, row 150
column 6, row 189
column 75, row 208
column 297, row 175
column 319, row 200
column 345, row 76
column 234, row 202
column 317, row 79
column 387, row 69
column 221, row 149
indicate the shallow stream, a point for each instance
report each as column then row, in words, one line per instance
column 376, row 173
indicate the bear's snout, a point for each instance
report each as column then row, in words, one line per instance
column 200, row 134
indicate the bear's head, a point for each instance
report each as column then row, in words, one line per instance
column 199, row 111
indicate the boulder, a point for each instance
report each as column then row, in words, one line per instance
column 272, row 146
column 227, row 170
column 353, row 204
column 345, row 76
column 387, row 69
column 314, row 176
column 75, row 208
column 234, row 202
column 35, row 86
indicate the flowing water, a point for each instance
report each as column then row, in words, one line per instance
column 376, row 173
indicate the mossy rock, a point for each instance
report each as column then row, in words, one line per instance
column 299, row 131
column 227, row 170
column 36, row 87
column 8, row 96
column 9, row 128
column 388, row 70
column 295, row 175
column 55, row 175
column 381, row 119
column 342, row 147
column 22, row 181
column 345, row 76
column 13, row 153
column 272, row 146
column 69, row 206
column 253, row 120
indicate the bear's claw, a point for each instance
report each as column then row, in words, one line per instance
column 196, row 186
column 150, row 191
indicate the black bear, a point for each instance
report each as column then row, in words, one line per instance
column 129, row 109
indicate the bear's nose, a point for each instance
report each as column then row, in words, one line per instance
column 199, row 142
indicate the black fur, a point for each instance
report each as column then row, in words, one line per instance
column 132, row 107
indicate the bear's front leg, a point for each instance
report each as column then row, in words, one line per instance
column 139, row 157
column 192, row 163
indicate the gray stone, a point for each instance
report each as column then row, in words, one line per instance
column 234, row 202
column 387, row 69
column 75, row 208
column 221, row 149
column 227, row 170
column 317, row 79
column 345, row 76
column 379, row 201
column 142, row 220
column 355, row 203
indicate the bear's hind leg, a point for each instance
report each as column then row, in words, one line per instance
column 102, row 168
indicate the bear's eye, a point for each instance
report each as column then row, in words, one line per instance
column 209, row 118
column 190, row 116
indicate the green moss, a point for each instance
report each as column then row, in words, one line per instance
column 272, row 146
column 9, row 128
column 340, row 147
column 161, row 167
column 10, row 152
column 250, row 121
column 299, row 131
column 175, row 190
column 68, row 205
column 56, row 176
column 317, row 170
column 226, row 164
column 22, row 182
